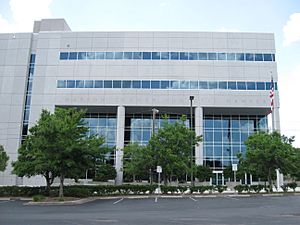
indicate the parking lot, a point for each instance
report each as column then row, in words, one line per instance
column 223, row 210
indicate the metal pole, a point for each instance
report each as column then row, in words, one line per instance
column 192, row 153
column 154, row 111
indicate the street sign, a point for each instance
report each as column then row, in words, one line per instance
column 158, row 169
column 234, row 167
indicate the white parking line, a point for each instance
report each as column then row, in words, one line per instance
column 116, row 202
column 193, row 199
column 155, row 199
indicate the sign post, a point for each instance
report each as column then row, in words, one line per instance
column 234, row 169
column 159, row 171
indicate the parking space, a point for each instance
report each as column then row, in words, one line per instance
column 157, row 210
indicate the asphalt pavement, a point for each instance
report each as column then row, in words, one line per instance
column 220, row 210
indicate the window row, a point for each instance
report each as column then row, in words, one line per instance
column 166, row 56
column 165, row 84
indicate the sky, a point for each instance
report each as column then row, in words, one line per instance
column 281, row 17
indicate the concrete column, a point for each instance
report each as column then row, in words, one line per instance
column 120, row 144
column 199, row 131
column 276, row 119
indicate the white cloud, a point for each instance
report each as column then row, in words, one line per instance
column 23, row 15
column 291, row 30
column 289, row 104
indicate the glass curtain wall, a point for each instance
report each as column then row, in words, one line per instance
column 138, row 127
column 224, row 137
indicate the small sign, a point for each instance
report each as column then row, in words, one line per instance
column 234, row 167
column 158, row 169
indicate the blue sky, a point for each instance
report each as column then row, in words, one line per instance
column 281, row 17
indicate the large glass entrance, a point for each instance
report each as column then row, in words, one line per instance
column 217, row 178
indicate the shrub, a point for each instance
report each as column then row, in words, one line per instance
column 105, row 172
column 221, row 188
column 285, row 187
column 38, row 198
column 292, row 185
column 256, row 188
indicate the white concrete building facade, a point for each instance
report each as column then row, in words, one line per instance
column 121, row 76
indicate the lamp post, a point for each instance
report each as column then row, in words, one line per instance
column 191, row 128
column 154, row 111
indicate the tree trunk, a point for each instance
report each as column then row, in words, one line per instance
column 270, row 180
column 61, row 186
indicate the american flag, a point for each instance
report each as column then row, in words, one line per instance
column 272, row 94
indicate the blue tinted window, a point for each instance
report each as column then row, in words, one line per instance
column 212, row 85
column 260, row 86
column 98, row 83
column 194, row 84
column 267, row 57
column 240, row 56
column 146, row 55
column 145, row 84
column 175, row 84
column 137, row 55
column 61, row 84
column 126, row 84
column 136, row 84
column 223, row 85
column 249, row 56
column 258, row 57
column 70, row 83
column 156, row 55
column 155, row 84
column 184, row 56
column 109, row 55
column 273, row 57
column 118, row 55
column 232, row 85
column 202, row 56
column 221, row 56
column 212, row 56
column 107, row 84
column 174, row 55
column 89, row 84
column 184, row 84
column 32, row 58
column 165, row 55
column 230, row 56
column 250, row 85
column 268, row 85
column 81, row 55
column 193, row 56
column 99, row 55
column 164, row 84
column 276, row 87
column 90, row 55
column 116, row 84
column 63, row 55
column 79, row 83
column 73, row 55
column 127, row 55
column 241, row 85
column 203, row 85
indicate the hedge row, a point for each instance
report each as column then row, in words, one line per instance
column 77, row 191
column 260, row 187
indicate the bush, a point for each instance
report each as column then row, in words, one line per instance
column 221, row 188
column 38, row 198
column 292, row 185
column 285, row 187
column 257, row 188
column 105, row 172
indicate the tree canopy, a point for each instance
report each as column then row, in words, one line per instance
column 3, row 158
column 58, row 146
column 265, row 153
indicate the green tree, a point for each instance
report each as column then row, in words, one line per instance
column 3, row 158
column 295, row 171
column 203, row 173
column 58, row 145
column 265, row 153
column 138, row 160
column 171, row 147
